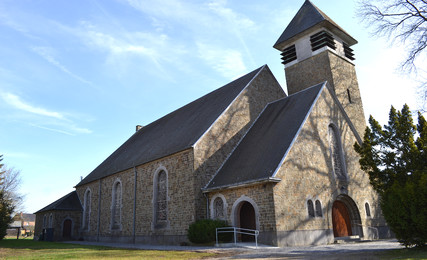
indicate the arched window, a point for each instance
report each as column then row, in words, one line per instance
column 368, row 210
column 310, row 208
column 86, row 210
column 161, row 199
column 336, row 152
column 218, row 207
column 44, row 221
column 50, row 220
column 116, row 205
column 318, row 209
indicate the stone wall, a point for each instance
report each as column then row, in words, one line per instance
column 341, row 76
column 215, row 146
column 307, row 173
column 137, row 212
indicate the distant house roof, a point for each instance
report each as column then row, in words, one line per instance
column 15, row 224
column 172, row 133
column 307, row 17
column 265, row 145
column 69, row 202
column 28, row 217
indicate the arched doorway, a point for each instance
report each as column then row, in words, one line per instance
column 341, row 220
column 66, row 228
column 247, row 219
column 346, row 219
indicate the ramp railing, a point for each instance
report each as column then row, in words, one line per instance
column 236, row 231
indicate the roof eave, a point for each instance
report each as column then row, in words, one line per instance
column 242, row 184
column 347, row 38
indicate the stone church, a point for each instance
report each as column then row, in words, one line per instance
column 246, row 153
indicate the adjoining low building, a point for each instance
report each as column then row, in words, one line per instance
column 59, row 220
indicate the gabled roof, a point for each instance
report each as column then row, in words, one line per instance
column 307, row 17
column 69, row 202
column 172, row 133
column 265, row 145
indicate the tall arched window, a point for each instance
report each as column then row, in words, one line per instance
column 116, row 205
column 50, row 220
column 318, row 209
column 310, row 208
column 336, row 152
column 44, row 221
column 161, row 199
column 86, row 210
column 218, row 207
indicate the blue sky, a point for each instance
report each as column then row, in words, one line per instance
column 76, row 77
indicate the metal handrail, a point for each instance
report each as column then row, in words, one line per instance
column 236, row 230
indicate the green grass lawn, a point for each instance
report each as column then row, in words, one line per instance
column 406, row 253
column 30, row 249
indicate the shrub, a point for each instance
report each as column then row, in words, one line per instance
column 203, row 231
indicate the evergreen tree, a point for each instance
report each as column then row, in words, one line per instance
column 6, row 206
column 395, row 157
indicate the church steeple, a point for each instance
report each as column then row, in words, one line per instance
column 316, row 49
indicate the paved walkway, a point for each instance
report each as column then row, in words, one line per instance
column 361, row 250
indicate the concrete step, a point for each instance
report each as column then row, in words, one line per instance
column 349, row 239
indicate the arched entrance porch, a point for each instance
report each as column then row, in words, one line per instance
column 346, row 217
column 245, row 215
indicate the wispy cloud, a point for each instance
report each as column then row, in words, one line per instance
column 46, row 53
column 228, row 62
column 58, row 124
column 16, row 102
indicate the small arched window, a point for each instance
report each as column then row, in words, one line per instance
column 86, row 210
column 116, row 205
column 318, row 209
column 310, row 208
column 368, row 209
column 218, row 207
column 336, row 152
column 161, row 199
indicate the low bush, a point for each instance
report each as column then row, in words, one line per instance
column 203, row 231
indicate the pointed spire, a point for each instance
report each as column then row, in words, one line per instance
column 308, row 17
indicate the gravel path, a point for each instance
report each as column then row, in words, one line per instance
column 349, row 251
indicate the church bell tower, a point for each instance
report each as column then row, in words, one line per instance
column 315, row 49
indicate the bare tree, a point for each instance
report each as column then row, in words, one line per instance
column 11, row 185
column 404, row 20
column 10, row 182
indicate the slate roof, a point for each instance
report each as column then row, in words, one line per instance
column 174, row 132
column 264, row 147
column 307, row 17
column 69, row 202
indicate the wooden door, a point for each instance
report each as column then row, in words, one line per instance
column 341, row 220
column 66, row 230
column 247, row 220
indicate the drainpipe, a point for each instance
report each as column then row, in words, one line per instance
column 207, row 205
column 99, row 209
column 134, row 205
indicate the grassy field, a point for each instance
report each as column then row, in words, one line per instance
column 29, row 249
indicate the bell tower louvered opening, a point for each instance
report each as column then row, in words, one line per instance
column 289, row 54
column 348, row 52
column 322, row 39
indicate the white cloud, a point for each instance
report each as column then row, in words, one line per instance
column 47, row 54
column 16, row 102
column 228, row 62
column 58, row 124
